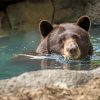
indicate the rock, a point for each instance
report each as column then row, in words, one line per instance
column 28, row 14
column 91, row 91
column 52, row 85
column 59, row 78
column 22, row 16
column 70, row 10
column 4, row 24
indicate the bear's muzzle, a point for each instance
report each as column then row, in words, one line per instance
column 71, row 49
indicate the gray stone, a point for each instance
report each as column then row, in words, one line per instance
column 35, row 79
column 71, row 10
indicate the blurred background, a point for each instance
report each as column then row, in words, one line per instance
column 24, row 15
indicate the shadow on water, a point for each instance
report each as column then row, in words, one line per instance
column 13, row 62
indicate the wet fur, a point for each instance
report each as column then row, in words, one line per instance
column 54, row 37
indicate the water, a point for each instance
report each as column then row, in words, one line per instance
column 16, row 44
column 12, row 64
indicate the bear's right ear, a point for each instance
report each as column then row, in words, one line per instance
column 84, row 22
column 45, row 28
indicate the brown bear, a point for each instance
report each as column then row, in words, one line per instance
column 68, row 39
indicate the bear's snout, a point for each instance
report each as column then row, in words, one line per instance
column 71, row 49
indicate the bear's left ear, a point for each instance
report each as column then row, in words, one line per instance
column 84, row 22
column 45, row 28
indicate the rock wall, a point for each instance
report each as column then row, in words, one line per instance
column 70, row 10
column 23, row 15
column 28, row 14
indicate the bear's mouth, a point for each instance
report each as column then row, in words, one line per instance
column 71, row 56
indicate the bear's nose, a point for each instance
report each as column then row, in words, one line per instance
column 73, row 50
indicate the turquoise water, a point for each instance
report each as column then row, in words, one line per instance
column 16, row 44
column 10, row 65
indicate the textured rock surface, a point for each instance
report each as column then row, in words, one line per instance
column 28, row 14
column 37, row 79
column 23, row 15
column 52, row 85
column 90, row 91
column 70, row 10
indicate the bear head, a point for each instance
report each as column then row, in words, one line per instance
column 68, row 39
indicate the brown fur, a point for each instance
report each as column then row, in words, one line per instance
column 55, row 39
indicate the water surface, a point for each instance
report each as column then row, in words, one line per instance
column 20, row 43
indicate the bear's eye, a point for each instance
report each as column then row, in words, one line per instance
column 61, row 40
column 75, row 37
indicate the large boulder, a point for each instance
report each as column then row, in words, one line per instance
column 52, row 85
column 60, row 78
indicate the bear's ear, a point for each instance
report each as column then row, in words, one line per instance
column 84, row 22
column 45, row 28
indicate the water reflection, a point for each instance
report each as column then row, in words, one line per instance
column 52, row 61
